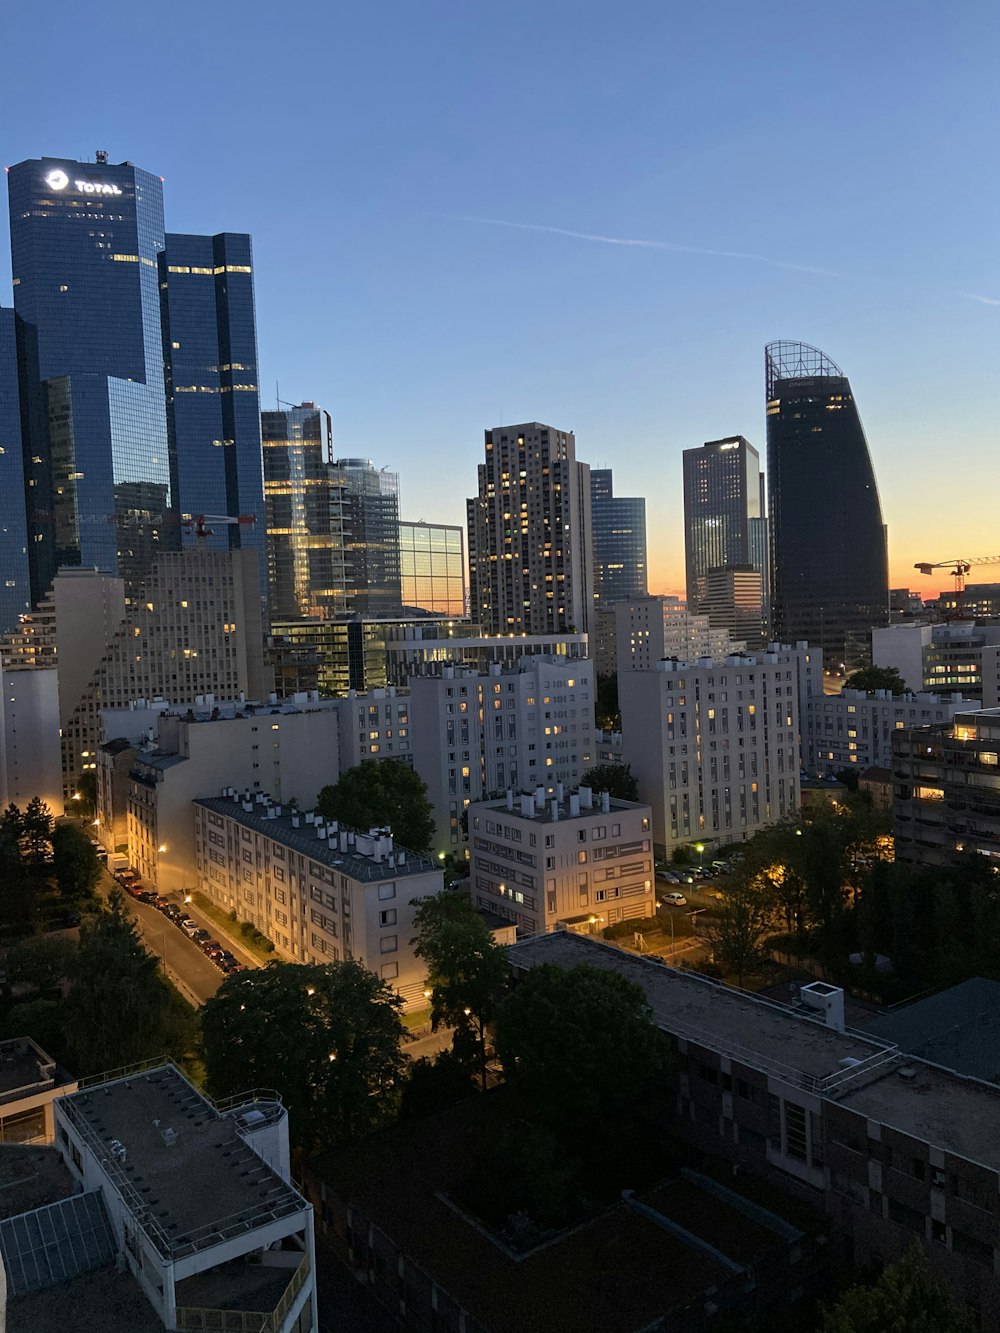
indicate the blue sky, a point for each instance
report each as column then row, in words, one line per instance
column 364, row 146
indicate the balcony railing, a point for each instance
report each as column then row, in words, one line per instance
column 196, row 1318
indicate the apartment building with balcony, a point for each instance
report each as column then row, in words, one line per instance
column 853, row 728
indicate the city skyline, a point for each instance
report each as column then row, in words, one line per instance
column 660, row 340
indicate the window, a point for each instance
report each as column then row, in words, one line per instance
column 389, row 971
column 388, row 943
column 388, row 917
column 386, row 892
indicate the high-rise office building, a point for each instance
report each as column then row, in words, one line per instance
column 213, row 397
column 432, row 567
column 734, row 602
column 15, row 591
column 829, row 566
column 724, row 515
column 619, row 527
column 531, row 562
column 304, row 501
column 371, row 536
column 85, row 244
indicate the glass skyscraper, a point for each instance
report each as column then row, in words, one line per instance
column 432, row 567
column 85, row 243
column 619, row 528
column 304, row 502
column 828, row 542
column 724, row 524
column 371, row 536
column 15, row 590
column 213, row 396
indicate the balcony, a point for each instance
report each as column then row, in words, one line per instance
column 219, row 1294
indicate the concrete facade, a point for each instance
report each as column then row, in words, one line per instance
column 569, row 860
column 651, row 628
column 958, row 655
column 855, row 728
column 29, row 737
column 319, row 890
column 476, row 734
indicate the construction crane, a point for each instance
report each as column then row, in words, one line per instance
column 196, row 523
column 959, row 567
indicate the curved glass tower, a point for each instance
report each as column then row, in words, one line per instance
column 828, row 543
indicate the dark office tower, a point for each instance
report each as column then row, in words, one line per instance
column 213, row 398
column 531, row 549
column 85, row 243
column 619, row 526
column 371, row 536
column 304, row 504
column 828, row 546
column 15, row 591
column 724, row 524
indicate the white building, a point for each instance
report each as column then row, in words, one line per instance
column 650, row 628
column 545, row 861
column 191, row 1198
column 958, row 655
column 319, row 890
column 30, row 762
column 855, row 728
column 714, row 744
column 525, row 725
column 374, row 725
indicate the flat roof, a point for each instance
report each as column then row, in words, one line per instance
column 206, row 1185
column 25, row 1069
column 103, row 1299
column 955, row 1113
column 543, row 815
column 31, row 1176
column 325, row 851
column 958, row 1028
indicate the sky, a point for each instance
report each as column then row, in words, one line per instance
column 592, row 215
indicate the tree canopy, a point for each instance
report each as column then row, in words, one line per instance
column 616, row 779
column 906, row 1298
column 75, row 861
column 607, row 710
column 737, row 932
column 384, row 793
column 579, row 1043
column 871, row 678
column 325, row 1036
column 466, row 969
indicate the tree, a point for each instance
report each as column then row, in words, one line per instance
column 36, row 828
column 739, row 929
column 435, row 1084
column 579, row 1043
column 466, row 969
column 382, row 793
column 41, row 963
column 86, row 785
column 905, row 1298
column 616, row 779
column 119, row 1006
column 325, row 1036
column 607, row 709
column 876, row 678
column 75, row 861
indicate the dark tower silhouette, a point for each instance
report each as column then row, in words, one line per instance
column 829, row 567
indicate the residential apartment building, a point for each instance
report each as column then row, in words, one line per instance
column 319, row 890
column 531, row 553
column 651, row 628
column 522, row 725
column 855, row 728
column 566, row 860
column 29, row 738
column 957, row 655
column 714, row 744
column 891, row 1148
column 946, row 789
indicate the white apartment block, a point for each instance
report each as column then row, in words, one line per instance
column 193, row 1199
column 853, row 727
column 374, row 725
column 714, row 745
column 572, row 861
column 30, row 762
column 651, row 628
column 319, row 890
column 523, row 725
column 955, row 656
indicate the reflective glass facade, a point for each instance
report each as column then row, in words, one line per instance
column 85, row 246
column 304, row 497
column 829, row 566
column 371, row 536
column 619, row 527
column 15, row 592
column 432, row 567
column 213, row 397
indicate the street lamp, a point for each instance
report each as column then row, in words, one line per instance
column 700, row 849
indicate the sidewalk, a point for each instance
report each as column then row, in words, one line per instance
column 219, row 932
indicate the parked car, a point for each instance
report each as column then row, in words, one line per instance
column 200, row 935
column 674, row 900
column 160, row 903
column 684, row 878
column 187, row 925
column 210, row 946
column 667, row 877
column 146, row 896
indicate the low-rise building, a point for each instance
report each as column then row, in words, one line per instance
column 30, row 1082
column 946, row 782
column 187, row 1201
column 476, row 734
column 319, row 890
column 855, row 728
column 568, row 860
column 892, row 1148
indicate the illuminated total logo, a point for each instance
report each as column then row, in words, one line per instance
column 58, row 180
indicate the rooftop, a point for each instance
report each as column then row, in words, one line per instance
column 952, row 1112
column 538, row 807
column 360, row 856
column 179, row 1162
column 30, row 1178
column 25, row 1069
column 958, row 1028
column 104, row 1299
